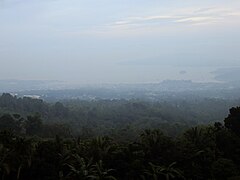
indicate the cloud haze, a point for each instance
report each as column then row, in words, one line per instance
column 117, row 41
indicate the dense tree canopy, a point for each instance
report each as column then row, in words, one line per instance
column 34, row 147
column 233, row 120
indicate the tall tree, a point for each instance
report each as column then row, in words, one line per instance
column 232, row 122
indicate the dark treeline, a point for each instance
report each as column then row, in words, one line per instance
column 200, row 153
column 118, row 139
column 117, row 118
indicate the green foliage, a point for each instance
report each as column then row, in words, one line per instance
column 232, row 122
column 33, row 125
column 224, row 168
column 116, row 118
column 164, row 172
column 121, row 140
column 152, row 156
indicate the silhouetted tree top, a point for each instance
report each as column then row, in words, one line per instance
column 232, row 122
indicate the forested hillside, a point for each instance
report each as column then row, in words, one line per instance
column 118, row 139
column 124, row 118
column 207, row 152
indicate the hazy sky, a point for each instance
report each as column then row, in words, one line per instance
column 105, row 41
